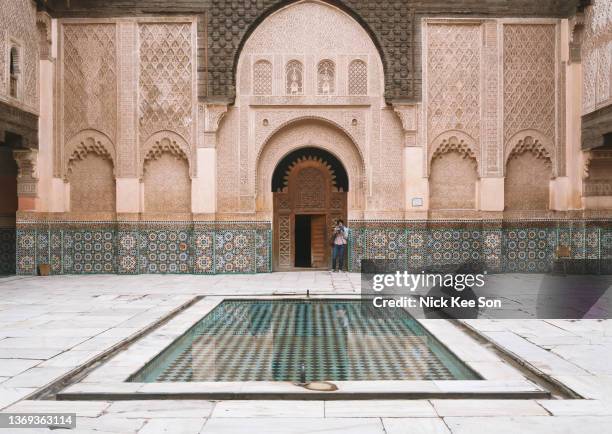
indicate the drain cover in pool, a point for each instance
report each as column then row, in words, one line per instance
column 286, row 340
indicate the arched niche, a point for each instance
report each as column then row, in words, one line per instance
column 308, row 32
column 314, row 133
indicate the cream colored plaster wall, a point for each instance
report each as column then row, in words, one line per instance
column 480, row 102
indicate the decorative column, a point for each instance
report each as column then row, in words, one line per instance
column 27, row 178
column 204, row 185
column 491, row 185
column 126, row 166
column 415, row 183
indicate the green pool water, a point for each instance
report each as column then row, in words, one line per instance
column 330, row 340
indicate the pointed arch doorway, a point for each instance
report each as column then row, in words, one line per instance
column 309, row 188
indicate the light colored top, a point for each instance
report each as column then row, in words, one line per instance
column 341, row 236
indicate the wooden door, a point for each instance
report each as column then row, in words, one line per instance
column 309, row 189
column 318, row 237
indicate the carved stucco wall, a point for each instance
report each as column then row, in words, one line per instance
column 597, row 56
column 92, row 184
column 129, row 86
column 312, row 32
column 452, row 182
column 18, row 27
column 167, row 185
column 453, row 82
column 531, row 89
column 166, row 79
column 490, row 84
column 527, row 182
column 352, row 112
column 315, row 133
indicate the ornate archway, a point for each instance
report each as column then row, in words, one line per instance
column 309, row 187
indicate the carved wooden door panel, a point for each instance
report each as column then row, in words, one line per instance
column 283, row 251
column 318, row 238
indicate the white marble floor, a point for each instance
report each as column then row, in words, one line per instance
column 50, row 326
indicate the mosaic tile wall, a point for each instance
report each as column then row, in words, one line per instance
column 525, row 246
column 144, row 247
column 246, row 247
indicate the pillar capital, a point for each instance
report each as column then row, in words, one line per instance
column 409, row 116
column 210, row 119
column 27, row 178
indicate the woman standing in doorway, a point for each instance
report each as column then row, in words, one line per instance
column 338, row 241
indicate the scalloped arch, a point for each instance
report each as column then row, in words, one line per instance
column 298, row 119
column 85, row 142
column 454, row 141
column 529, row 141
column 166, row 142
column 314, row 133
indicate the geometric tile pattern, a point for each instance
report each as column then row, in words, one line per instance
column 504, row 246
column 334, row 340
column 246, row 247
column 138, row 247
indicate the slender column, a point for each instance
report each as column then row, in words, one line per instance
column 204, row 185
column 27, row 178
column 416, row 185
column 126, row 166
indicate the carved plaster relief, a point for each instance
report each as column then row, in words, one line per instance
column 597, row 56
column 529, row 82
column 453, row 80
column 88, row 83
column 316, row 133
column 18, row 27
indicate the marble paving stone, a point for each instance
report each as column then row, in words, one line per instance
column 52, row 332
column 293, row 426
column 475, row 386
column 173, row 426
column 577, row 407
column 97, row 343
column 103, row 388
column 496, row 370
column 36, row 377
column 276, row 408
column 29, row 353
column 81, row 408
column 530, row 424
column 9, row 395
column 12, row 367
column 538, row 357
column 428, row 425
column 487, row 407
column 589, row 386
column 41, row 342
column 379, row 408
column 161, row 409
column 107, row 424
column 69, row 359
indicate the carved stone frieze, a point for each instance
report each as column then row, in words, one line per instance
column 529, row 79
column 43, row 25
column 597, row 56
column 86, row 142
column 210, row 119
column 27, row 178
column 166, row 142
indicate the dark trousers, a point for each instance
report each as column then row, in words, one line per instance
column 338, row 256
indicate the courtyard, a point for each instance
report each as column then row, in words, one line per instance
column 52, row 327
